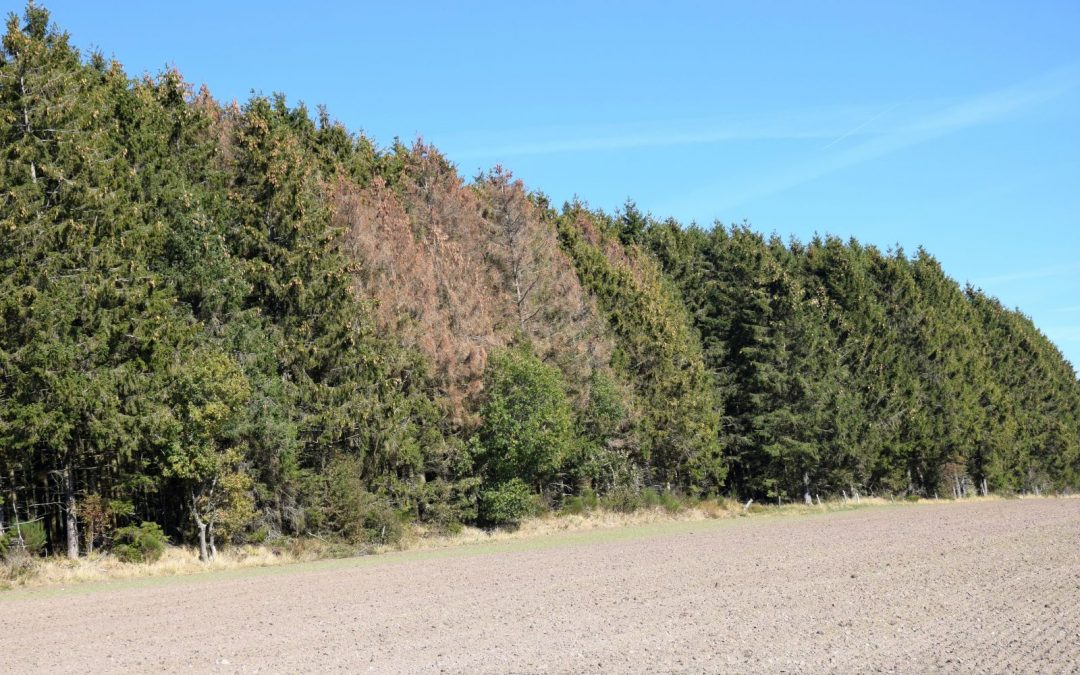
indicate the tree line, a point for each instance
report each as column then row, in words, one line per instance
column 243, row 322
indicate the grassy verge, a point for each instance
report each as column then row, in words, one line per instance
column 177, row 560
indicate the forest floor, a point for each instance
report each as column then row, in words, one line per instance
column 986, row 586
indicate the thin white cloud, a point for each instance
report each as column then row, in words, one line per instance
column 882, row 131
column 805, row 124
column 980, row 110
column 862, row 126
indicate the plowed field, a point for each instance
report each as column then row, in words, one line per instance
column 990, row 586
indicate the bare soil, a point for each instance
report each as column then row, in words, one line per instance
column 990, row 586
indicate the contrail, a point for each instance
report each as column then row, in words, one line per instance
column 856, row 129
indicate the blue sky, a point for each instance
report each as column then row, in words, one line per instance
column 951, row 125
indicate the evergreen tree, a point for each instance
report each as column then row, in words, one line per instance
column 656, row 351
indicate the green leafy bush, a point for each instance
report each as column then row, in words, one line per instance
column 528, row 430
column 506, row 504
column 143, row 543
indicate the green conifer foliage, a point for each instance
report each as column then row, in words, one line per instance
column 246, row 322
column 657, row 352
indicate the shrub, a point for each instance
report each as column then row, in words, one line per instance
column 590, row 499
column 506, row 504
column 623, row 500
column 444, row 504
column 33, row 540
column 670, row 502
column 17, row 565
column 650, row 498
column 138, row 544
column 259, row 535
column 381, row 523
column 353, row 513
column 574, row 506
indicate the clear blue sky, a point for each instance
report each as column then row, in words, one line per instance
column 951, row 125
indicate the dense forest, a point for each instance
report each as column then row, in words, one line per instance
column 245, row 322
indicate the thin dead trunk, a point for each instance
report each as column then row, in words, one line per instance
column 806, row 489
column 71, row 522
column 203, row 554
column 15, row 507
column 26, row 124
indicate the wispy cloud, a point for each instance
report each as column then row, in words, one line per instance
column 878, row 129
column 976, row 111
column 820, row 123
column 863, row 125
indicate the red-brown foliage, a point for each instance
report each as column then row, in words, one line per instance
column 459, row 270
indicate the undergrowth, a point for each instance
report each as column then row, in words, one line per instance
column 586, row 512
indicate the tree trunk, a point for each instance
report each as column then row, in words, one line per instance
column 213, row 540
column 71, row 523
column 806, row 489
column 26, row 124
column 15, row 507
column 203, row 554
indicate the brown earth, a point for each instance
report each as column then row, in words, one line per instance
column 990, row 586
